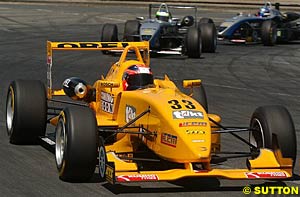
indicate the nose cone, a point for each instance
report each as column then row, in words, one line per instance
column 190, row 145
column 199, row 150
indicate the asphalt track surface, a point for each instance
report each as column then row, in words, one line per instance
column 238, row 78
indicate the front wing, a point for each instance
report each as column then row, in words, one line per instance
column 265, row 166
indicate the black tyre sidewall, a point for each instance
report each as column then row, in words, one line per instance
column 276, row 121
column 209, row 37
column 267, row 31
column 200, row 96
column 205, row 20
column 109, row 33
column 193, row 43
column 80, row 155
column 30, row 111
column 132, row 27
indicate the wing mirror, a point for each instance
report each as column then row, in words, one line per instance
column 176, row 19
column 187, row 21
column 191, row 83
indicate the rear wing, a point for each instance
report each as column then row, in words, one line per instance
column 171, row 7
column 91, row 46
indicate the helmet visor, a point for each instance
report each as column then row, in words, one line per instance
column 139, row 81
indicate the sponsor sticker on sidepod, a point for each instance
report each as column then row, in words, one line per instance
column 187, row 114
column 130, row 113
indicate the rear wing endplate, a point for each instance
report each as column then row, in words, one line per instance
column 90, row 46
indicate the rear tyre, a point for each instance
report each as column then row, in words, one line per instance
column 193, row 43
column 208, row 37
column 269, row 33
column 26, row 111
column 272, row 127
column 109, row 34
column 76, row 144
column 132, row 27
column 205, row 20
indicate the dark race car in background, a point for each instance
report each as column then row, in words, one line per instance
column 268, row 26
column 167, row 34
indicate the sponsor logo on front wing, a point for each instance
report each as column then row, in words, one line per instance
column 187, row 114
column 138, row 177
column 262, row 175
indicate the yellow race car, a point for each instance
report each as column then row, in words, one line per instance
column 133, row 127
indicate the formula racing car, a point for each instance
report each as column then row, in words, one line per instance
column 134, row 127
column 268, row 26
column 167, row 34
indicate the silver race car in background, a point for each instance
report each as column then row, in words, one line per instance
column 269, row 26
column 167, row 34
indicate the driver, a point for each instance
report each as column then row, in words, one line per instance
column 163, row 13
column 137, row 76
column 264, row 12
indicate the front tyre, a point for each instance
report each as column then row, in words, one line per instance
column 26, row 111
column 76, row 144
column 200, row 95
column 272, row 127
column 102, row 159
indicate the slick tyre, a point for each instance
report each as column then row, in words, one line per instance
column 200, row 96
column 102, row 159
column 26, row 111
column 76, row 144
column 131, row 31
column 193, row 43
column 109, row 34
column 208, row 37
column 272, row 127
column 269, row 33
column 205, row 20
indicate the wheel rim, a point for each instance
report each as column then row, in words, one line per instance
column 257, row 134
column 60, row 143
column 102, row 160
column 10, row 110
column 254, row 36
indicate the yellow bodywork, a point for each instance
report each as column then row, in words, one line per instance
column 178, row 129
